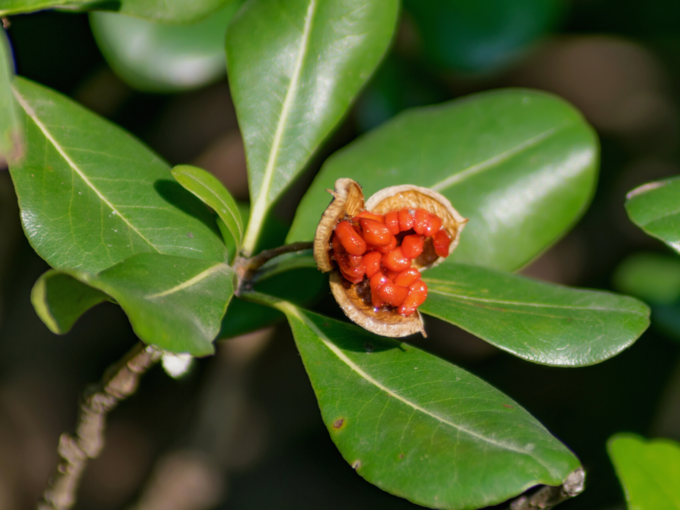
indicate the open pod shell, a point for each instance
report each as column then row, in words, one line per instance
column 354, row 299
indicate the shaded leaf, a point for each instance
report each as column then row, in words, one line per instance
column 419, row 427
column 480, row 36
column 164, row 58
column 648, row 470
column 175, row 303
column 655, row 208
column 650, row 276
column 166, row 11
column 91, row 195
column 212, row 193
column 293, row 82
column 11, row 144
column 540, row 322
column 520, row 164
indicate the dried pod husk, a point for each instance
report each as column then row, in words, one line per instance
column 354, row 299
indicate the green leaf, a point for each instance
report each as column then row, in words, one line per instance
column 419, row 427
column 483, row 35
column 655, row 208
column 520, row 164
column 92, row 196
column 11, row 144
column 164, row 11
column 294, row 80
column 650, row 276
column 212, row 193
column 649, row 471
column 175, row 303
column 59, row 300
column 164, row 58
column 540, row 322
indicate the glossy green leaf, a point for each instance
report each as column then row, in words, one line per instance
column 419, row 427
column 92, row 196
column 212, row 193
column 11, row 145
column 164, row 58
column 175, row 303
column 166, row 11
column 540, row 322
column 648, row 470
column 294, row 80
column 655, row 208
column 59, row 300
column 650, row 276
column 520, row 164
column 483, row 35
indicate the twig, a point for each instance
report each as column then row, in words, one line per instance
column 119, row 382
column 548, row 497
column 245, row 268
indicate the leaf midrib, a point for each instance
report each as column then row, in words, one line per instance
column 258, row 211
column 34, row 117
column 190, row 282
column 287, row 307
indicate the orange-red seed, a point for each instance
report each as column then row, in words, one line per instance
column 416, row 297
column 395, row 260
column 407, row 277
column 421, row 222
column 405, row 220
column 442, row 242
column 375, row 233
column 392, row 222
column 435, row 224
column 350, row 239
column 393, row 294
column 383, row 249
column 413, row 245
column 371, row 263
column 369, row 216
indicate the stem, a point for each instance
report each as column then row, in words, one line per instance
column 548, row 496
column 285, row 263
column 119, row 382
column 246, row 267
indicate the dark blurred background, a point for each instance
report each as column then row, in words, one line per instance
column 242, row 429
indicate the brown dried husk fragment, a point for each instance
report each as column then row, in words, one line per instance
column 354, row 299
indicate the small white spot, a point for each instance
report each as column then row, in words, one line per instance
column 177, row 365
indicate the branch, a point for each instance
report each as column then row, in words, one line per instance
column 119, row 382
column 548, row 497
column 245, row 268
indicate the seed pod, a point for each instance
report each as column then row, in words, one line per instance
column 359, row 303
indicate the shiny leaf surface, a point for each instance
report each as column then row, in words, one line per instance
column 91, row 195
column 520, row 164
column 212, row 193
column 11, row 145
column 419, row 427
column 164, row 58
column 648, row 470
column 655, row 208
column 175, row 303
column 540, row 322
column 293, row 82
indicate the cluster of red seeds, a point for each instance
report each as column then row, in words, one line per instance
column 382, row 249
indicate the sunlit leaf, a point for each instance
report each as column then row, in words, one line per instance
column 540, row 322
column 294, row 68
column 166, row 11
column 648, row 470
column 164, row 58
column 211, row 191
column 520, row 164
column 175, row 303
column 655, row 208
column 419, row 427
column 11, row 144
column 91, row 195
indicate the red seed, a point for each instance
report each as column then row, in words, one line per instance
column 422, row 222
column 442, row 242
column 395, row 260
column 393, row 294
column 369, row 216
column 354, row 260
column 416, row 296
column 377, row 281
column 413, row 245
column 383, row 249
column 371, row 263
column 435, row 224
column 392, row 222
column 391, row 274
column 405, row 220
column 407, row 277
column 350, row 239
column 375, row 233
column 376, row 301
column 354, row 274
